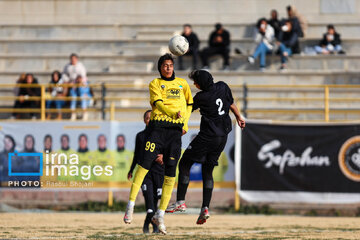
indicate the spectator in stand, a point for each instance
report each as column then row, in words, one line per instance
column 297, row 20
column 74, row 69
column 57, row 91
column 193, row 46
column 297, row 26
column 26, row 92
column 274, row 22
column 288, row 42
column 21, row 80
column 83, row 91
column 265, row 37
column 219, row 43
column 331, row 42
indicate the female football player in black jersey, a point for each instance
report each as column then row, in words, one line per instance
column 154, row 179
column 214, row 101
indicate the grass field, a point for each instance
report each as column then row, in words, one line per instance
column 180, row 226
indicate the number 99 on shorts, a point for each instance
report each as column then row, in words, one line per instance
column 149, row 146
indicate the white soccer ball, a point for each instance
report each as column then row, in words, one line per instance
column 178, row 45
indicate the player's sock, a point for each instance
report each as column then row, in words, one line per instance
column 138, row 179
column 147, row 221
column 130, row 204
column 181, row 191
column 207, row 192
column 166, row 192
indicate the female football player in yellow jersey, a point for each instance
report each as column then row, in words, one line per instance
column 171, row 102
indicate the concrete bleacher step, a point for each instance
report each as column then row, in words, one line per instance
column 131, row 47
column 101, row 63
column 154, row 34
column 132, row 66
column 232, row 77
column 130, row 31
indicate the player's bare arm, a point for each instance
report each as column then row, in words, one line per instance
column 239, row 119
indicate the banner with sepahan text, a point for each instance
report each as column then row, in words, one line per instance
column 81, row 154
column 311, row 163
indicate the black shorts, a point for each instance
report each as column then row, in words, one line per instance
column 166, row 141
column 205, row 150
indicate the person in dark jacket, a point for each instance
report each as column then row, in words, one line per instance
column 56, row 90
column 193, row 46
column 219, row 44
column 330, row 43
column 287, row 42
column 153, row 181
column 26, row 92
column 274, row 22
column 215, row 101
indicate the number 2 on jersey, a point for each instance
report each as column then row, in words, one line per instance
column 219, row 102
column 149, row 146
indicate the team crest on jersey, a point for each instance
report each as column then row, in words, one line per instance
column 173, row 93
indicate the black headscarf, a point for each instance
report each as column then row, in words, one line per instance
column 203, row 78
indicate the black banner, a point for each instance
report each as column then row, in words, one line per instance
column 309, row 158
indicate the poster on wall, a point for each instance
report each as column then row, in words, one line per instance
column 90, row 151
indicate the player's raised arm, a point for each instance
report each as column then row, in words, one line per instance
column 239, row 119
column 189, row 102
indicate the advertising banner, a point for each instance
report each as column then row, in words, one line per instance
column 309, row 162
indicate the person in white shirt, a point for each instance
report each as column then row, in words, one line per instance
column 74, row 69
column 265, row 38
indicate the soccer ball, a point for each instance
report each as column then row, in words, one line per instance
column 178, row 45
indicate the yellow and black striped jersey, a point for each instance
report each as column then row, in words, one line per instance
column 176, row 95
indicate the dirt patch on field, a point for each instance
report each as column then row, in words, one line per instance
column 180, row 226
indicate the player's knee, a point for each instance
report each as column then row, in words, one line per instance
column 209, row 183
column 184, row 179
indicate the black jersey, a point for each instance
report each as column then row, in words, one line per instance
column 214, row 104
column 139, row 154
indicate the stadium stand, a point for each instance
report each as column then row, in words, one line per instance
column 40, row 38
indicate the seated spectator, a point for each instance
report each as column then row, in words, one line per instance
column 297, row 20
column 298, row 24
column 75, row 68
column 331, row 42
column 82, row 90
column 56, row 91
column 193, row 46
column 274, row 22
column 288, row 42
column 21, row 80
column 265, row 40
column 26, row 92
column 219, row 43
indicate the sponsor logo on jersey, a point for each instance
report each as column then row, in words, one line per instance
column 349, row 158
column 173, row 93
